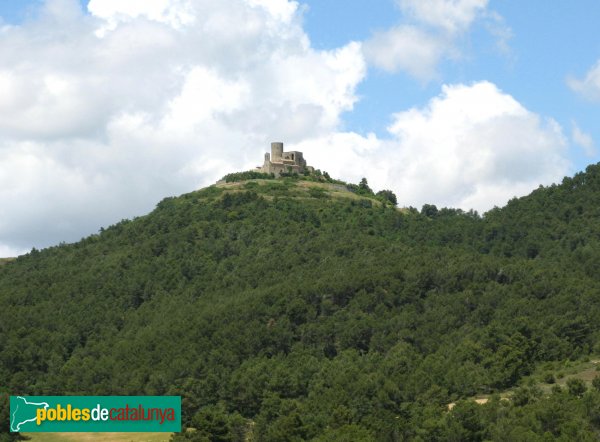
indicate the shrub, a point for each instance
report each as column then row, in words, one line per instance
column 576, row 387
column 596, row 383
column 549, row 378
column 387, row 195
column 248, row 175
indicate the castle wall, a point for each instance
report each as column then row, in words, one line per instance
column 282, row 162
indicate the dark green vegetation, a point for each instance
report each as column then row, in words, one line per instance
column 283, row 310
column 5, row 260
column 236, row 177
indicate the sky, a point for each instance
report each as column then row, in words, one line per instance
column 109, row 106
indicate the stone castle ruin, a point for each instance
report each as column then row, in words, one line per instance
column 278, row 161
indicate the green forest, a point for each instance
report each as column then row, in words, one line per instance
column 302, row 308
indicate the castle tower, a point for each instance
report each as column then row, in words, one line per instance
column 278, row 161
column 276, row 151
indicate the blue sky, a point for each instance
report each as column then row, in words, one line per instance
column 549, row 41
column 107, row 107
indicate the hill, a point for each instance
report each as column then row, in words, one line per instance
column 291, row 310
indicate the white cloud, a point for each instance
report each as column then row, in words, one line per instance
column 176, row 13
column 99, row 126
column 406, row 48
column 450, row 15
column 588, row 87
column 102, row 115
column 471, row 147
column 475, row 146
column 583, row 140
column 497, row 27
column 429, row 32
column 6, row 251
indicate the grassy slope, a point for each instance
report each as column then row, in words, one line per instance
column 300, row 189
column 585, row 369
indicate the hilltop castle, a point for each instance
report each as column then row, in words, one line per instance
column 279, row 161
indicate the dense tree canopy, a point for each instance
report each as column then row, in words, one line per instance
column 292, row 312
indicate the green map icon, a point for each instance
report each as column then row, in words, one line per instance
column 22, row 411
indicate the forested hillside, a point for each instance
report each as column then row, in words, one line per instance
column 288, row 310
